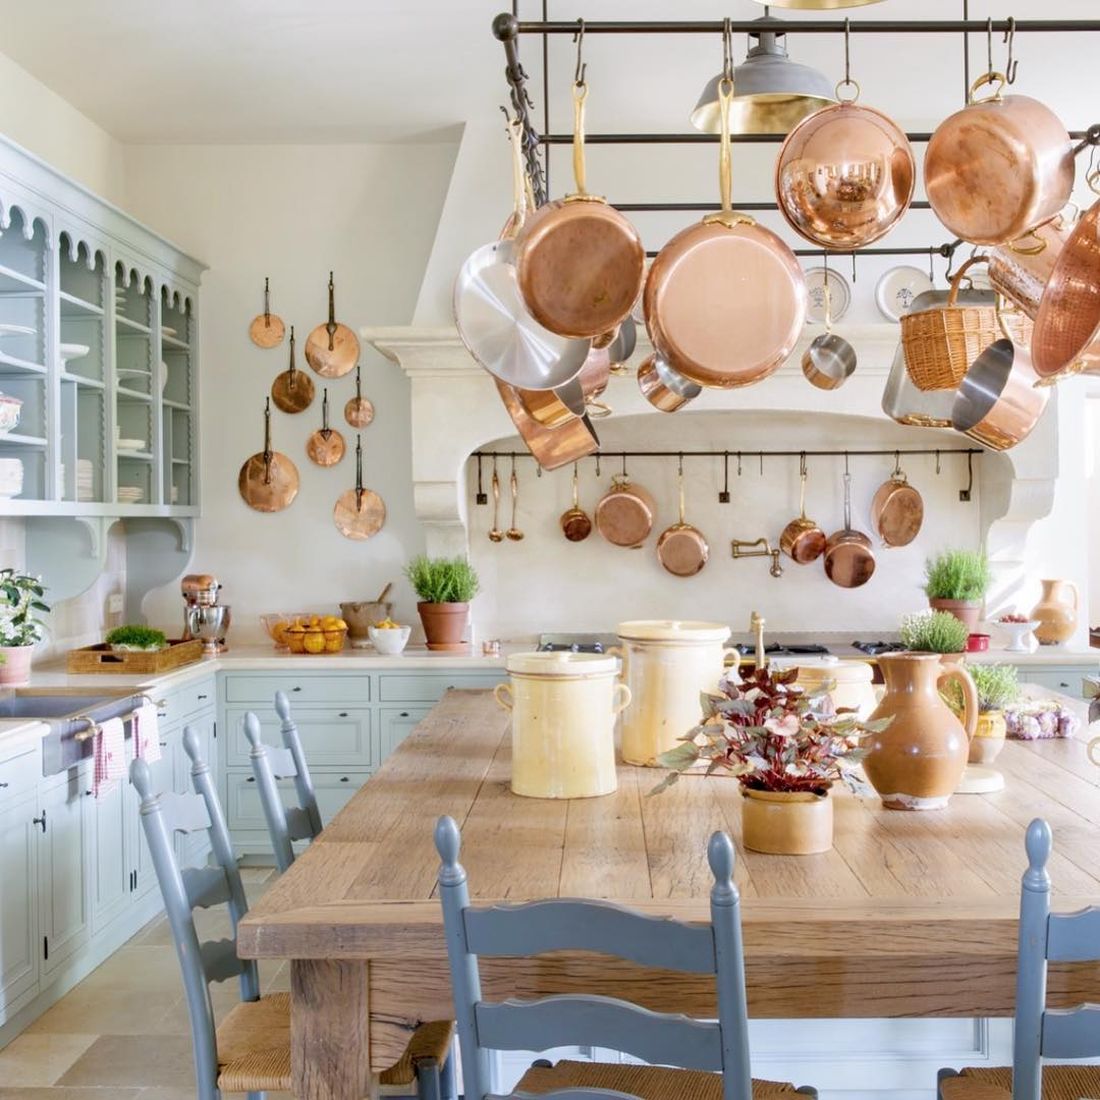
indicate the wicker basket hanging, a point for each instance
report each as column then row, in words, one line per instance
column 940, row 343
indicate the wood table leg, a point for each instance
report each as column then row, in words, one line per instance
column 329, row 1032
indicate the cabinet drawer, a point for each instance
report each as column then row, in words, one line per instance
column 334, row 790
column 331, row 737
column 183, row 701
column 1065, row 680
column 429, row 687
column 300, row 687
column 19, row 775
column 395, row 724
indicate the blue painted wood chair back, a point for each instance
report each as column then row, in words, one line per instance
column 163, row 814
column 269, row 764
column 1049, row 937
column 575, row 1020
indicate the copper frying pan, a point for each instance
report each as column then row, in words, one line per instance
column 849, row 559
column 325, row 446
column 292, row 391
column 579, row 262
column 897, row 509
column 552, row 447
column 682, row 550
column 358, row 411
column 725, row 300
column 332, row 349
column 359, row 513
column 268, row 481
column 267, row 329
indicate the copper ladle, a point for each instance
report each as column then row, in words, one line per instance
column 495, row 533
column 513, row 532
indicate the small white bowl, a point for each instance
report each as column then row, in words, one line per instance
column 389, row 641
column 1018, row 635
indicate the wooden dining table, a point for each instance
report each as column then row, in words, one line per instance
column 908, row 915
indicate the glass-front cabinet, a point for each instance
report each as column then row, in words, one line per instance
column 98, row 354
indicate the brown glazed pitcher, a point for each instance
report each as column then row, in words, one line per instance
column 1056, row 612
column 917, row 761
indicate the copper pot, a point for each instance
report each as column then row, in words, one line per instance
column 1067, row 326
column 682, row 549
column 849, row 559
column 580, row 263
column 575, row 523
column 725, row 300
column 802, row 540
column 552, row 408
column 1021, row 269
column 845, row 176
column 1000, row 166
column 998, row 402
column 662, row 387
column 552, row 447
column 625, row 514
column 897, row 510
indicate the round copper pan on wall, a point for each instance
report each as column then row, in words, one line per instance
column 845, row 176
column 897, row 511
column 332, row 349
column 625, row 514
column 998, row 402
column 682, row 548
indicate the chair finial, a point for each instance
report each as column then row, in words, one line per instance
column 282, row 706
column 253, row 731
column 448, row 841
column 142, row 778
column 720, row 855
column 1038, row 842
column 191, row 745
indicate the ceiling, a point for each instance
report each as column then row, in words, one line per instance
column 229, row 71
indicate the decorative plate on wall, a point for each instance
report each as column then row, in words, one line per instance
column 840, row 295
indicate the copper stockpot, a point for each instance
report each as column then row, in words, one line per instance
column 580, row 263
column 552, row 447
column 1067, row 326
column 897, row 510
column 725, row 300
column 999, row 167
column 662, row 387
column 998, row 402
column 625, row 514
column 845, row 175
column 849, row 559
column 802, row 540
column 1021, row 269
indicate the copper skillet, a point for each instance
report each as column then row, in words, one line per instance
column 725, row 300
column 326, row 445
column 292, row 391
column 849, row 559
column 580, row 263
column 332, row 349
column 359, row 513
column 267, row 329
column 897, row 509
column 802, row 540
column 682, row 550
column 268, row 481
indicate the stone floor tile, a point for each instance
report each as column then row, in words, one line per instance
column 90, row 1011
column 30, row 1093
column 41, row 1058
column 134, row 1061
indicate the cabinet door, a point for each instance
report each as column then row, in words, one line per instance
column 336, row 737
column 20, row 947
column 193, row 848
column 108, row 826
column 1067, row 681
column 333, row 790
column 139, row 860
column 395, row 724
column 62, row 876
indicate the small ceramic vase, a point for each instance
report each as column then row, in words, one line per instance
column 1056, row 612
column 786, row 823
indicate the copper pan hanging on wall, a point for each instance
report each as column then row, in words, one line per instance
column 325, row 446
column 292, row 391
column 332, row 349
column 358, row 411
column 359, row 513
column 267, row 329
column 268, row 481
column 725, row 300
column 897, row 509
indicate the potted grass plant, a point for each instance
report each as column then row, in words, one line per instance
column 445, row 587
column 135, row 638
column 21, row 598
column 956, row 581
column 787, row 747
column 934, row 632
column 998, row 686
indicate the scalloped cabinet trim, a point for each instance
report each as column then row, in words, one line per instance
column 448, row 388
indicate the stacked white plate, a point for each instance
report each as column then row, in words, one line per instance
column 85, row 479
column 130, row 444
column 11, row 478
column 130, row 494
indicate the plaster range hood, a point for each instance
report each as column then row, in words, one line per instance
column 455, row 410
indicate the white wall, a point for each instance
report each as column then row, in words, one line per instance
column 368, row 212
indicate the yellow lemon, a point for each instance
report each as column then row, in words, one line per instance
column 314, row 642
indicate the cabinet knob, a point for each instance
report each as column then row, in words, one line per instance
column 344, row 713
column 403, row 714
column 344, row 779
column 295, row 689
column 201, row 698
column 251, row 779
column 3, row 784
column 40, row 821
column 1063, row 684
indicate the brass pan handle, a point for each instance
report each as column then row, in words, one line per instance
column 985, row 80
column 580, row 94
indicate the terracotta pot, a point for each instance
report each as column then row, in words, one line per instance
column 967, row 612
column 786, row 823
column 989, row 738
column 444, row 623
column 1056, row 612
column 16, row 669
column 917, row 761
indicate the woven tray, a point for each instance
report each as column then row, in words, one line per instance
column 101, row 658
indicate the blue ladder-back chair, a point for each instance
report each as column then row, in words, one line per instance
column 1041, row 1032
column 269, row 764
column 714, row 1055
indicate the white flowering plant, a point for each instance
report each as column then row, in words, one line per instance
column 773, row 735
column 21, row 598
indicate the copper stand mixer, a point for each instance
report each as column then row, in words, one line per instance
column 203, row 616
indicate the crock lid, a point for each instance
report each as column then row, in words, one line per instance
column 673, row 630
column 562, row 663
column 843, row 672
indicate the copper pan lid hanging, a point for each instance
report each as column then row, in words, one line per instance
column 292, row 391
column 325, row 446
column 359, row 513
column 332, row 349
column 267, row 329
column 358, row 411
column 268, row 481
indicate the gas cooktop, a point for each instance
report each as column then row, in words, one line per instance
column 778, row 649
column 873, row 649
column 576, row 643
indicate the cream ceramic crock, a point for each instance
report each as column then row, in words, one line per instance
column 564, row 707
column 667, row 664
column 851, row 680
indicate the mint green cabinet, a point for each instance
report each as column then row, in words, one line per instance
column 64, row 918
column 110, row 875
column 20, row 948
column 395, row 724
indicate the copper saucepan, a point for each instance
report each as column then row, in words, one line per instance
column 725, row 300
column 849, row 559
column 998, row 167
column 802, row 540
column 580, row 263
column 662, row 387
column 998, row 402
column 1021, row 269
column 897, row 510
column 682, row 550
column 625, row 514
column 575, row 523
column 845, row 175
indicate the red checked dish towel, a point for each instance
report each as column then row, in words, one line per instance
column 110, row 757
column 146, row 734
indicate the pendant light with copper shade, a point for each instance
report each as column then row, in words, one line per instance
column 772, row 93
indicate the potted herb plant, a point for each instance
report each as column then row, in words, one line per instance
column 21, row 597
column 997, row 686
column 956, row 581
column 136, row 639
column 934, row 632
column 445, row 587
column 787, row 747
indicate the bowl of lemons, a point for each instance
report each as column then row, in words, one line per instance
column 306, row 633
column 388, row 637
